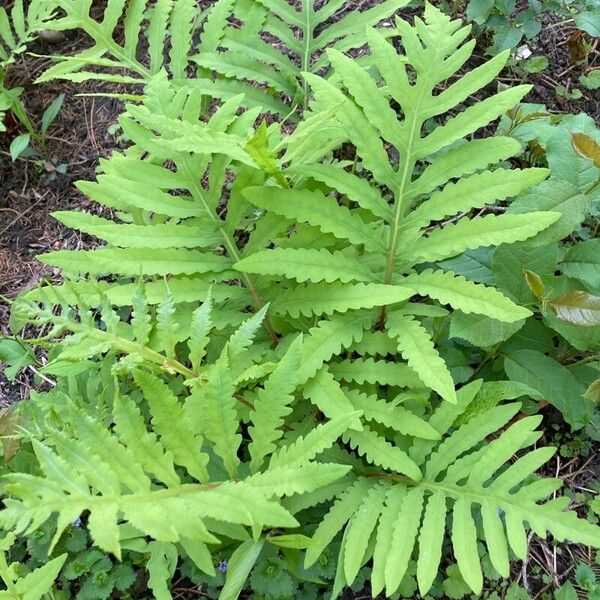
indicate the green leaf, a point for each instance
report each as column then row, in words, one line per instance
column 306, row 265
column 40, row 581
column 327, row 298
column 417, row 348
column 468, row 192
column 491, row 230
column 161, row 567
column 582, row 261
column 51, row 113
column 331, row 524
column 19, row 145
column 553, row 381
column 328, row 338
column 377, row 450
column 593, row 392
column 481, row 331
column 170, row 422
column 320, row 211
column 479, row 10
column 464, row 295
column 135, row 262
column 431, row 536
column 162, row 235
column 359, row 530
column 557, row 196
column 511, row 261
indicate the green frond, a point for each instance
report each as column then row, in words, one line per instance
column 458, row 292
column 327, row 298
column 470, row 157
column 273, row 405
column 471, row 192
column 212, row 409
column 370, row 370
column 490, row 230
column 323, row 436
column 339, row 514
column 319, row 210
column 171, row 424
column 389, row 414
column 378, row 451
column 354, row 188
column 327, row 395
column 19, row 25
column 306, row 265
column 328, row 338
column 415, row 345
column 467, row 478
column 359, row 529
column 134, row 262
column 160, row 235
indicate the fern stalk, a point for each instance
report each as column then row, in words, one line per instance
column 235, row 253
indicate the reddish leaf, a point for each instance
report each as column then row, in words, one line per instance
column 586, row 147
column 579, row 308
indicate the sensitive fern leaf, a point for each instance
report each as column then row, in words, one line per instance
column 244, row 57
column 166, row 474
column 18, row 28
column 416, row 346
column 464, row 475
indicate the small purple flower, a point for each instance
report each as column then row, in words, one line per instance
column 77, row 522
column 222, row 566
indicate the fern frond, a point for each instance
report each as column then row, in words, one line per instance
column 377, row 450
column 360, row 528
column 490, row 230
column 171, row 424
column 323, row 298
column 465, row 295
column 370, row 370
column 213, row 409
column 19, row 26
column 319, row 210
column 246, row 57
column 327, row 395
column 471, row 192
column 306, row 265
column 415, row 345
column 133, row 261
column 328, row 338
column 339, row 514
column 390, row 415
column 165, row 19
column 307, row 447
column 272, row 405
column 468, row 479
column 160, row 235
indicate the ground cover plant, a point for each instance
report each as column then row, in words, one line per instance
column 340, row 288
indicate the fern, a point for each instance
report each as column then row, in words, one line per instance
column 224, row 60
column 18, row 28
column 159, row 20
column 174, row 475
column 460, row 475
column 304, row 33
column 383, row 230
column 212, row 429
